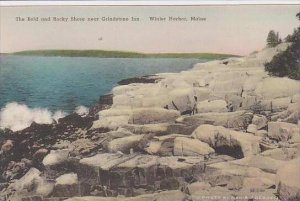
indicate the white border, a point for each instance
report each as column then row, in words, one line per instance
column 151, row 2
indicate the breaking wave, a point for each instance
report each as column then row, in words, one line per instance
column 16, row 116
column 82, row 110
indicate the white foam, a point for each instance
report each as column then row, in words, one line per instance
column 17, row 116
column 58, row 114
column 82, row 110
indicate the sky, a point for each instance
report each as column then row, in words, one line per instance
column 238, row 29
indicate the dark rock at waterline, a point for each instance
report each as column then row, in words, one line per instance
column 104, row 102
column 143, row 79
column 27, row 142
column 106, row 99
column 76, row 121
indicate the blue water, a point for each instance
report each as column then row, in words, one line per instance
column 63, row 83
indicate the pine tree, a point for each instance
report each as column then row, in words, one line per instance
column 291, row 37
column 273, row 39
column 287, row 63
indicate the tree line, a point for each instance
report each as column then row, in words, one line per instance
column 286, row 63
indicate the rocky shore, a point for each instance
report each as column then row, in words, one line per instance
column 224, row 130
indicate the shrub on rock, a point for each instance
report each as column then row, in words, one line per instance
column 287, row 63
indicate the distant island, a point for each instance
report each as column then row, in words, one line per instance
column 120, row 54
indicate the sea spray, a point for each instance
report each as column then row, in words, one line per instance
column 16, row 116
column 82, row 110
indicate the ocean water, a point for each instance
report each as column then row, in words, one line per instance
column 63, row 83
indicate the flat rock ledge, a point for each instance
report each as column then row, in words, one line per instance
column 223, row 130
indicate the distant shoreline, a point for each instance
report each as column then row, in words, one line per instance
column 119, row 54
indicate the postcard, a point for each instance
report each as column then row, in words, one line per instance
column 131, row 101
